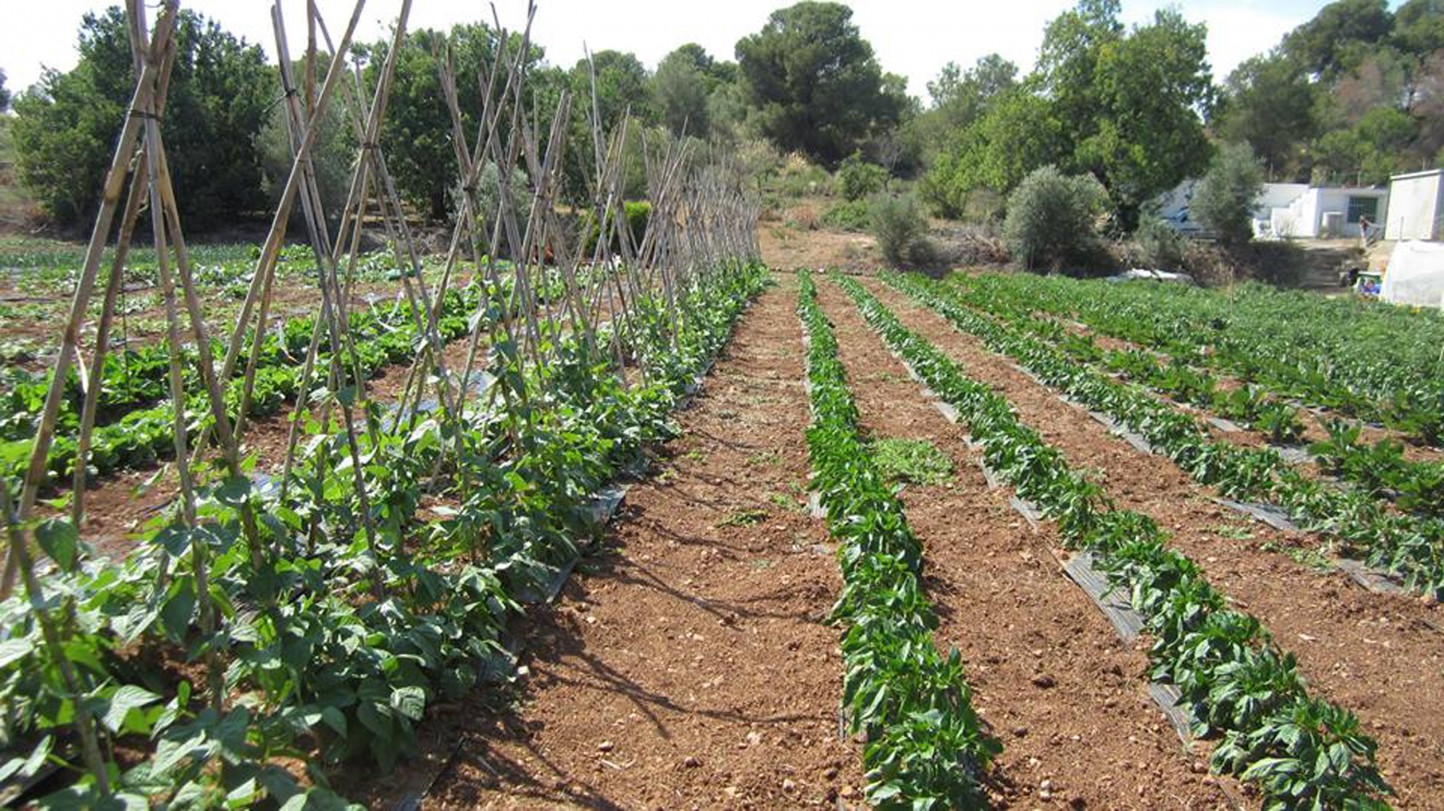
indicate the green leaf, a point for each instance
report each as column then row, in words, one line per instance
column 60, row 541
column 235, row 490
column 409, row 701
column 335, row 719
column 13, row 650
column 126, row 698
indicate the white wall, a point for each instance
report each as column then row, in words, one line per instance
column 1338, row 200
column 1416, row 203
column 1277, row 195
column 1304, row 218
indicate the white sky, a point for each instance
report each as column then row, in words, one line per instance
column 911, row 37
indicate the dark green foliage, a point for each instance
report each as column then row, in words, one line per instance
column 1233, row 677
column 1333, row 41
column 813, row 82
column 1269, row 102
column 4, row 93
column 960, row 98
column 636, row 212
column 856, row 178
column 1224, row 199
column 221, row 92
column 848, row 216
column 622, row 86
column 683, row 88
column 1051, row 218
column 1371, row 150
column 1419, row 27
column 1339, row 100
column 897, row 223
column 417, row 132
column 925, row 746
column 1122, row 105
column 1017, row 135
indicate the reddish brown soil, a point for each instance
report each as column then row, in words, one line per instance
column 688, row 665
column 1067, row 698
column 788, row 248
column 1377, row 655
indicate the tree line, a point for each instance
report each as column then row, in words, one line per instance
column 227, row 137
column 1353, row 94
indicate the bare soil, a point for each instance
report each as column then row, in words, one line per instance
column 1377, row 655
column 688, row 664
column 1052, row 680
column 785, row 247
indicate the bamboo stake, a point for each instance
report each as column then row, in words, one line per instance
column 109, row 201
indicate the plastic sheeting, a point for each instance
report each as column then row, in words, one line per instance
column 1415, row 275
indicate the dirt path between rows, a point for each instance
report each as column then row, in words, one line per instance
column 1377, row 655
column 1053, row 681
column 688, row 665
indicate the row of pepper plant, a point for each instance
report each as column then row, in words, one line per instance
column 1381, row 467
column 1385, row 366
column 206, row 662
column 924, row 746
column 1298, row 750
column 1407, row 545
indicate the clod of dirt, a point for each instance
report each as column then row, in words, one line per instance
column 1043, row 680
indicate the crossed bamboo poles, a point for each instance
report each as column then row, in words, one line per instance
column 700, row 221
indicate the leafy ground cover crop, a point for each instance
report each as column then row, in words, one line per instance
column 1364, row 359
column 916, row 461
column 1300, row 751
column 924, row 746
column 199, row 668
column 1406, row 544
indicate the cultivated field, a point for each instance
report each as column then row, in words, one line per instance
column 588, row 507
column 1119, row 545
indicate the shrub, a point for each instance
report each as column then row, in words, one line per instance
column 798, row 177
column 332, row 159
column 219, row 98
column 1224, row 199
column 848, row 216
column 1052, row 218
column 637, row 214
column 857, row 178
column 1159, row 244
column 897, row 223
column 488, row 198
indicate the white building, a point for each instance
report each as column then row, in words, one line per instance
column 1323, row 213
column 1416, row 206
column 1290, row 210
